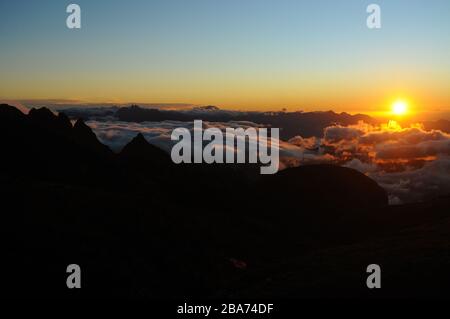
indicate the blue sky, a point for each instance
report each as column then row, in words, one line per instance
column 252, row 53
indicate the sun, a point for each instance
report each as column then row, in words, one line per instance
column 400, row 107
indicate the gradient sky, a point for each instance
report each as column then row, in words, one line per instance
column 252, row 54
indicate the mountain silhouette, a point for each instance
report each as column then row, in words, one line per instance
column 327, row 185
column 46, row 119
column 291, row 124
column 140, row 150
column 48, row 142
column 142, row 227
column 83, row 135
column 145, row 161
column 10, row 114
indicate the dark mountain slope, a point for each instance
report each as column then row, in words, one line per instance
column 86, row 138
column 45, row 119
column 146, row 163
column 326, row 186
column 201, row 231
column 42, row 145
column 139, row 150
column 10, row 115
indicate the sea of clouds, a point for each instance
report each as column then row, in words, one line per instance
column 412, row 164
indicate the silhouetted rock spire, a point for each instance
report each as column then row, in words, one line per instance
column 84, row 136
column 46, row 119
column 141, row 150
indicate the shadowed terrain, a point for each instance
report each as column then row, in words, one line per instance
column 141, row 227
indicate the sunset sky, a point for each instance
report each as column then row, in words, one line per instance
column 252, row 54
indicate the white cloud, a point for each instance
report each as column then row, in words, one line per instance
column 410, row 163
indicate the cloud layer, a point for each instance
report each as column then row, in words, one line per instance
column 412, row 164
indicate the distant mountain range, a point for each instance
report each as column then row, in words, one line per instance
column 291, row 124
column 142, row 227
